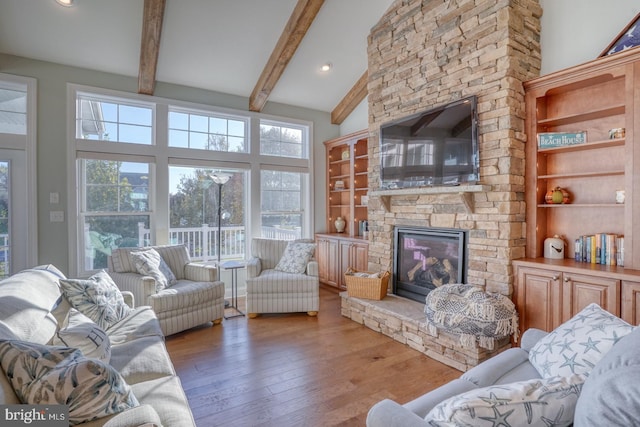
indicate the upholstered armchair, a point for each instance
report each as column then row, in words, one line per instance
column 282, row 277
column 186, row 295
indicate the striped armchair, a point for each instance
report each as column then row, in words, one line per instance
column 273, row 291
column 197, row 296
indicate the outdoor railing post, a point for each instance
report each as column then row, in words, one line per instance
column 204, row 241
column 141, row 233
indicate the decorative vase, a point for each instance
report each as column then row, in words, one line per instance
column 557, row 196
column 340, row 224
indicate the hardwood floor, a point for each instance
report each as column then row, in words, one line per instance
column 294, row 370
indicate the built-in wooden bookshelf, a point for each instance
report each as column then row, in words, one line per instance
column 597, row 98
column 347, row 163
column 347, row 192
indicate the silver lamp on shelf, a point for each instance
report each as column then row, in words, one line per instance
column 221, row 179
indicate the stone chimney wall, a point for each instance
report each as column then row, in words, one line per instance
column 426, row 53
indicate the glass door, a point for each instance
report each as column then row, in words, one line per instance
column 18, row 220
column 13, row 204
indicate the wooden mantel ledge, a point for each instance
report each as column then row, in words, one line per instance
column 464, row 191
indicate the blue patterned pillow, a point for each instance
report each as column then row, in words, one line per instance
column 43, row 375
column 536, row 402
column 97, row 297
column 295, row 258
column 578, row 344
column 148, row 262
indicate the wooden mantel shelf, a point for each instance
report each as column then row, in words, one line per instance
column 464, row 191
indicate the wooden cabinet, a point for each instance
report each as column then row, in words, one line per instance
column 328, row 265
column 347, row 181
column 631, row 302
column 537, row 297
column 596, row 97
column 337, row 253
column 580, row 290
column 549, row 292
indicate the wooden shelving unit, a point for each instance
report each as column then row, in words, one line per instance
column 595, row 97
column 347, row 161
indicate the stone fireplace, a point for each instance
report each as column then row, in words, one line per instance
column 426, row 258
column 427, row 53
column 424, row 54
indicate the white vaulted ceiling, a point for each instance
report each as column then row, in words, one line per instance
column 219, row 45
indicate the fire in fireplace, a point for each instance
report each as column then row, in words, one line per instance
column 425, row 258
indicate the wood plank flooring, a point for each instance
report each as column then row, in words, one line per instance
column 294, row 370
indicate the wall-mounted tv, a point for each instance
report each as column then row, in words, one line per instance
column 435, row 147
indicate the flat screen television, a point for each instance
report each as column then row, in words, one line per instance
column 437, row 147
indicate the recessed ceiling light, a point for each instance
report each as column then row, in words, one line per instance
column 65, row 3
column 326, row 67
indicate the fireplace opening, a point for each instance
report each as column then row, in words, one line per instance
column 425, row 258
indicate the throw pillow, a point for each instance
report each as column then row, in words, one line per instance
column 611, row 395
column 97, row 297
column 476, row 316
column 148, row 262
column 82, row 333
column 44, row 375
column 295, row 257
column 578, row 344
column 536, row 402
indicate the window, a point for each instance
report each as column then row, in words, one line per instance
column 156, row 188
column 110, row 120
column 277, row 139
column 282, row 203
column 115, row 208
column 207, row 132
column 194, row 202
column 13, row 111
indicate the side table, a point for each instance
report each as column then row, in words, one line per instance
column 234, row 266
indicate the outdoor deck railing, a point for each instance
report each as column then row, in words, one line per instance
column 202, row 241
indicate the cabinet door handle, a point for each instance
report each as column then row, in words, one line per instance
column 567, row 279
column 554, row 278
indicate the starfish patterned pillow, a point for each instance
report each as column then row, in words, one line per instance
column 578, row 344
column 536, row 402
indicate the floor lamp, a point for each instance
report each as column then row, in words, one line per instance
column 220, row 179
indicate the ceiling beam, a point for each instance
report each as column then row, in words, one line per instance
column 299, row 22
column 150, row 45
column 351, row 100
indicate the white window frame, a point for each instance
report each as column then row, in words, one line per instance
column 163, row 156
column 28, row 144
column 212, row 114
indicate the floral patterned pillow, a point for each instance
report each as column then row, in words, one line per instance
column 97, row 297
column 44, row 375
column 148, row 262
column 578, row 344
column 537, row 402
column 295, row 258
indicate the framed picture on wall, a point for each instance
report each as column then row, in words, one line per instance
column 629, row 37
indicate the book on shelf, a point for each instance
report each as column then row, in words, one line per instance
column 600, row 248
column 620, row 251
column 561, row 139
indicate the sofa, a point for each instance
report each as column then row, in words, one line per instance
column 38, row 316
column 282, row 277
column 585, row 373
column 192, row 296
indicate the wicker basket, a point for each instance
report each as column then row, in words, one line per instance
column 366, row 287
